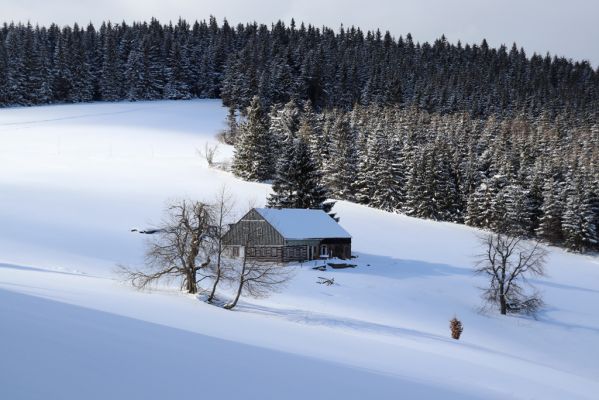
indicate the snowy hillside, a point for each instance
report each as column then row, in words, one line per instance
column 74, row 180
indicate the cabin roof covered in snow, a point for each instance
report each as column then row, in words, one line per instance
column 298, row 223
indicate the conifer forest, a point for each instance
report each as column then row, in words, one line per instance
column 490, row 137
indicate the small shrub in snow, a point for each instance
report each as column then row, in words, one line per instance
column 456, row 328
column 208, row 153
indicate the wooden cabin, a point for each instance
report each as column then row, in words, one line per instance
column 286, row 235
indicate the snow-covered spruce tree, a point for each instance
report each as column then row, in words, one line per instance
column 518, row 216
column 230, row 133
column 341, row 166
column 418, row 195
column 478, row 203
column 3, row 73
column 254, row 149
column 320, row 139
column 82, row 89
column 176, row 83
column 284, row 122
column 443, row 182
column 111, row 80
column 62, row 78
column 298, row 183
column 15, row 76
column 135, row 73
column 386, row 173
column 552, row 210
column 579, row 221
column 156, row 70
column 364, row 184
column 36, row 83
column 534, row 201
column 431, row 189
column 92, row 43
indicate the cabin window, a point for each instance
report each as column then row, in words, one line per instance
column 235, row 251
column 259, row 231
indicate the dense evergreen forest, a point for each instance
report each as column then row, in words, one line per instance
column 331, row 69
column 485, row 136
column 525, row 176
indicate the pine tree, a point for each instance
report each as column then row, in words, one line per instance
column 550, row 222
column 111, row 80
column 136, row 73
column 341, row 167
column 579, row 221
column 486, row 206
column 298, row 182
column 3, row 73
column 82, row 89
column 518, row 214
column 254, row 150
column 284, row 122
column 15, row 76
column 386, row 173
column 367, row 159
column 62, row 86
column 176, row 85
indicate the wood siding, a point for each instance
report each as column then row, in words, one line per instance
column 266, row 253
column 264, row 234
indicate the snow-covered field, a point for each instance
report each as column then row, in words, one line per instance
column 74, row 179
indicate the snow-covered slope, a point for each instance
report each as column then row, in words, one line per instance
column 74, row 179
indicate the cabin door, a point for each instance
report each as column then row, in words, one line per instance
column 324, row 250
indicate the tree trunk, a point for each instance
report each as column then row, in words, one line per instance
column 502, row 304
column 502, row 301
column 213, row 292
column 241, row 283
column 234, row 303
column 192, row 286
column 217, row 279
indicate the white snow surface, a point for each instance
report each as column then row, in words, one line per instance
column 74, row 179
column 295, row 223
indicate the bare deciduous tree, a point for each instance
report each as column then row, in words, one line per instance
column 173, row 253
column 256, row 278
column 508, row 262
column 209, row 152
column 222, row 210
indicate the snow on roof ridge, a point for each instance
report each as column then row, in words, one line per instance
column 303, row 223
